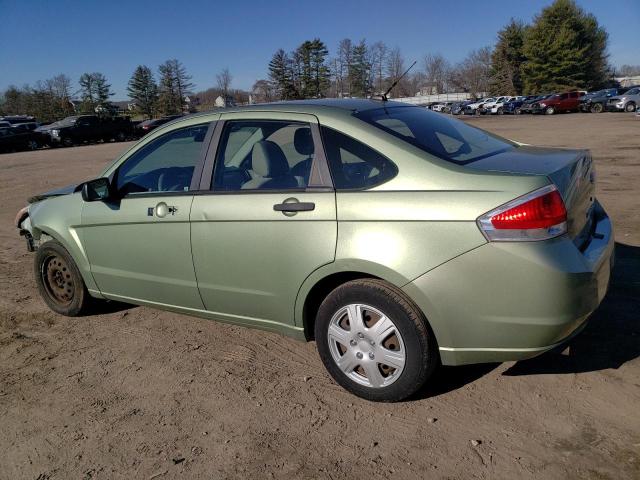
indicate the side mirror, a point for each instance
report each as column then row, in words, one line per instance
column 96, row 190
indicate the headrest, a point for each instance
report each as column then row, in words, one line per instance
column 268, row 160
column 302, row 141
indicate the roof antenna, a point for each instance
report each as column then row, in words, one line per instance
column 384, row 95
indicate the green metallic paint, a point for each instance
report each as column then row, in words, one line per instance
column 255, row 266
column 142, row 256
column 251, row 260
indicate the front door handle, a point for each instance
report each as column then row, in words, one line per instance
column 293, row 206
column 162, row 210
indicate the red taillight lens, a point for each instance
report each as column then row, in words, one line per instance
column 539, row 215
column 145, row 127
column 541, row 212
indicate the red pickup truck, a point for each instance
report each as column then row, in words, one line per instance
column 560, row 102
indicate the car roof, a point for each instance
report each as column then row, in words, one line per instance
column 337, row 106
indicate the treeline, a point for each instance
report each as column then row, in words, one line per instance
column 56, row 98
column 564, row 48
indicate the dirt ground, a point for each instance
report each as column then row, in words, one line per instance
column 139, row 393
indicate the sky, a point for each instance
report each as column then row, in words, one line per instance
column 40, row 39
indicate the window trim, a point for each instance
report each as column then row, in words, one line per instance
column 319, row 165
column 113, row 177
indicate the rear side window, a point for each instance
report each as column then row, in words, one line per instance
column 353, row 164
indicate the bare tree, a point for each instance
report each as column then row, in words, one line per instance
column 378, row 56
column 224, row 81
column 263, row 91
column 396, row 67
column 436, row 71
column 473, row 74
column 343, row 68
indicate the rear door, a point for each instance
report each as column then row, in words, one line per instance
column 265, row 218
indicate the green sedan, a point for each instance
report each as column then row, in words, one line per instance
column 397, row 238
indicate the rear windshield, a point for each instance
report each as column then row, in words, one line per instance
column 444, row 137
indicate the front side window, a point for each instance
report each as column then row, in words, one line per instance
column 264, row 155
column 353, row 164
column 444, row 137
column 165, row 164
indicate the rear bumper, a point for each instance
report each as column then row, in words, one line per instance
column 512, row 301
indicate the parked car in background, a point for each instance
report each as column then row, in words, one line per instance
column 443, row 107
column 89, row 128
column 595, row 102
column 488, row 105
column 627, row 102
column 457, row 108
column 147, row 126
column 497, row 107
column 413, row 240
column 527, row 106
column 14, row 139
column 15, row 119
column 475, row 108
column 513, row 106
column 558, row 102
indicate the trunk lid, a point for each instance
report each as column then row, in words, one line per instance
column 571, row 171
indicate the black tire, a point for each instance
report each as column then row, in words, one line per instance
column 630, row 107
column 597, row 108
column 67, row 142
column 59, row 281
column 32, row 145
column 419, row 344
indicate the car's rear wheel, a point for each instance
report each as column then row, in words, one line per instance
column 374, row 341
column 597, row 108
column 59, row 281
column 630, row 107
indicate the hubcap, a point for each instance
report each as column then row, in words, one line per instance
column 57, row 280
column 366, row 345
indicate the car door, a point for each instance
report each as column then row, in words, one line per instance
column 267, row 220
column 139, row 245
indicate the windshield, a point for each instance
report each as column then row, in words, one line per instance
column 444, row 137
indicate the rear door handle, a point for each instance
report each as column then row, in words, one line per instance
column 294, row 207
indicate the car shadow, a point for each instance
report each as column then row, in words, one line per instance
column 107, row 307
column 610, row 339
column 612, row 336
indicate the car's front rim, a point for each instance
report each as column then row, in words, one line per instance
column 366, row 345
column 57, row 280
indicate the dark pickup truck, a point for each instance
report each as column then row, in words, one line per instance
column 89, row 128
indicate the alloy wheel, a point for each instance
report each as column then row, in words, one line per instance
column 366, row 345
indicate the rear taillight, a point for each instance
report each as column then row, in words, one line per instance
column 539, row 215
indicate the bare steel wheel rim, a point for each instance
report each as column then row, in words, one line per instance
column 57, row 280
column 366, row 345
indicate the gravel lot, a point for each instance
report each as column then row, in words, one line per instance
column 139, row 393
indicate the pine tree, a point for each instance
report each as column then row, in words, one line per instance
column 360, row 71
column 565, row 49
column 143, row 90
column 507, row 59
column 174, row 85
column 94, row 91
column 281, row 76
